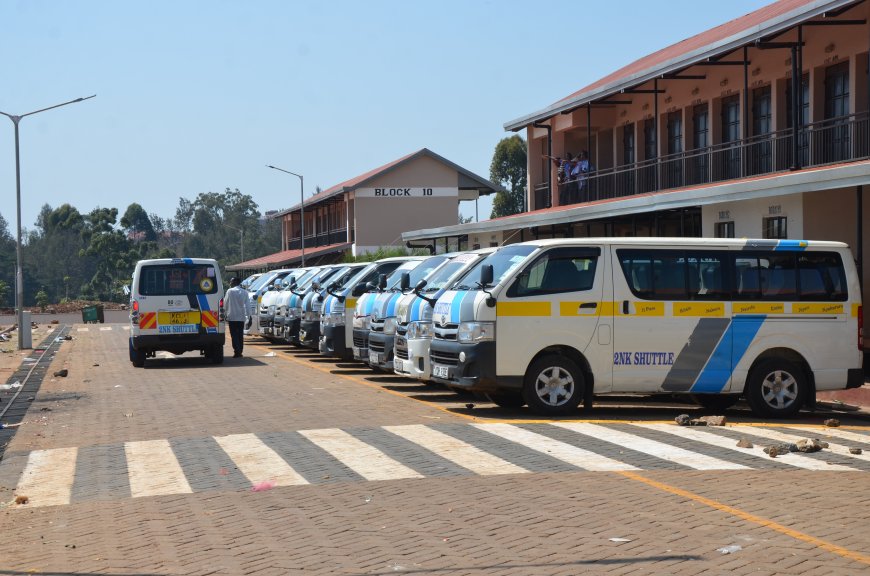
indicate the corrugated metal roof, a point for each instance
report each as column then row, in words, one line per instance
column 720, row 40
column 357, row 181
column 286, row 256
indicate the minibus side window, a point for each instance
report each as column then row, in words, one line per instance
column 747, row 278
column 821, row 277
column 557, row 271
column 655, row 274
column 778, row 278
column 708, row 275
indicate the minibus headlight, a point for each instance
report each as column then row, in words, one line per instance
column 419, row 330
column 476, row 331
column 360, row 321
column 390, row 326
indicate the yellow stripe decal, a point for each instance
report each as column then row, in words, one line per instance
column 817, row 308
column 522, row 309
column 573, row 309
column 698, row 309
column 649, row 309
column 757, row 308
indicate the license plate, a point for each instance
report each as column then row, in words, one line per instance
column 406, row 367
column 374, row 358
column 355, row 350
column 440, row 371
column 177, row 318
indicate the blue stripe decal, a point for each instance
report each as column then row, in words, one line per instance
column 456, row 306
column 791, row 246
column 391, row 305
column 728, row 354
column 187, row 260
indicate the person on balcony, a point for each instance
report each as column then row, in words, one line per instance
column 568, row 183
column 582, row 169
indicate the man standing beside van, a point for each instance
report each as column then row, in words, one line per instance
column 236, row 298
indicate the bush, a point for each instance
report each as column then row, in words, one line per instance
column 42, row 299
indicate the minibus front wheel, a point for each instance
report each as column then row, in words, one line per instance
column 553, row 385
column 777, row 388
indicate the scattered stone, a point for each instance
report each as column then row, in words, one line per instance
column 808, row 445
column 94, row 364
column 771, row 451
column 832, row 422
column 469, row 405
column 777, row 449
column 683, row 420
column 744, row 443
column 55, row 322
column 855, row 451
column 22, row 499
column 62, row 373
column 713, row 420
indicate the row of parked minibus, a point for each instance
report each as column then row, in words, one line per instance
column 551, row 323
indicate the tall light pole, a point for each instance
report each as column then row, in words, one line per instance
column 19, row 272
column 241, row 232
column 302, row 205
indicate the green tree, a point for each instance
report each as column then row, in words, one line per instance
column 42, row 300
column 136, row 222
column 5, row 290
column 509, row 169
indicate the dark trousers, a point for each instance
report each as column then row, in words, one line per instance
column 237, row 334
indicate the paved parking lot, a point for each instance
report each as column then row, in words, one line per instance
column 284, row 462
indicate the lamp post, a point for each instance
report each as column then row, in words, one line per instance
column 301, row 208
column 241, row 232
column 19, row 273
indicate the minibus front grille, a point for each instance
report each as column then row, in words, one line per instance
column 446, row 332
column 376, row 346
column 402, row 329
column 376, row 326
column 360, row 341
column 441, row 357
column 401, row 353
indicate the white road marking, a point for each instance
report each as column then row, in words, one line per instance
column 48, row 477
column 699, row 435
column 556, row 448
column 257, row 461
column 125, row 328
column 365, row 460
column 153, row 469
column 457, row 451
column 833, row 433
column 83, row 329
column 105, row 328
column 652, row 447
column 837, row 449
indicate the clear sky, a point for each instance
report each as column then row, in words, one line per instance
column 196, row 96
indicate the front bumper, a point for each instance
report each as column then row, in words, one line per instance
column 332, row 342
column 309, row 334
column 360, row 345
column 381, row 350
column 476, row 373
column 266, row 324
column 411, row 358
column 291, row 330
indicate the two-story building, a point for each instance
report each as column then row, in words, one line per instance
column 757, row 128
column 372, row 210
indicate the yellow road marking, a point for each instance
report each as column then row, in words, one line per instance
column 748, row 517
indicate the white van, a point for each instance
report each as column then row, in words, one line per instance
column 552, row 322
column 176, row 305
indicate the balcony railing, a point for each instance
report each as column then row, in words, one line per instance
column 338, row 236
column 842, row 139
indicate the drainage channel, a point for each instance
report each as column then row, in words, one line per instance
column 20, row 389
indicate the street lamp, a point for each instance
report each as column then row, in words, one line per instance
column 302, row 205
column 19, row 273
column 241, row 232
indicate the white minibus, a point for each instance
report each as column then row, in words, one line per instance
column 550, row 323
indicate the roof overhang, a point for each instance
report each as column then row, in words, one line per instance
column 279, row 259
column 808, row 180
column 773, row 26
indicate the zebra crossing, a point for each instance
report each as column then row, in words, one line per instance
column 234, row 462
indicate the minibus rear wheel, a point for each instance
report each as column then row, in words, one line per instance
column 553, row 385
column 137, row 357
column 776, row 388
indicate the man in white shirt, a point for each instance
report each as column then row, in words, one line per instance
column 235, row 301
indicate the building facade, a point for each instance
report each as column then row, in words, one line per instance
column 757, row 128
column 372, row 210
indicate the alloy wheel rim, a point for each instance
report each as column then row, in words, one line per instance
column 554, row 386
column 779, row 389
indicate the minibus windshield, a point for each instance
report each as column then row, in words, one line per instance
column 420, row 271
column 442, row 276
column 503, row 262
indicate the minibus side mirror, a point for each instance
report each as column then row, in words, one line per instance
column 382, row 281
column 420, row 285
column 405, row 281
column 486, row 275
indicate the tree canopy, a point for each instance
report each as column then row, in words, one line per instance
column 509, row 169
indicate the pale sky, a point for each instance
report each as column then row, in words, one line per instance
column 199, row 96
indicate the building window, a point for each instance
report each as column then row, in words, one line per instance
column 836, row 111
column 628, row 144
column 775, row 227
column 803, row 120
column 699, row 164
column 759, row 153
column 724, row 230
column 673, row 166
column 728, row 159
